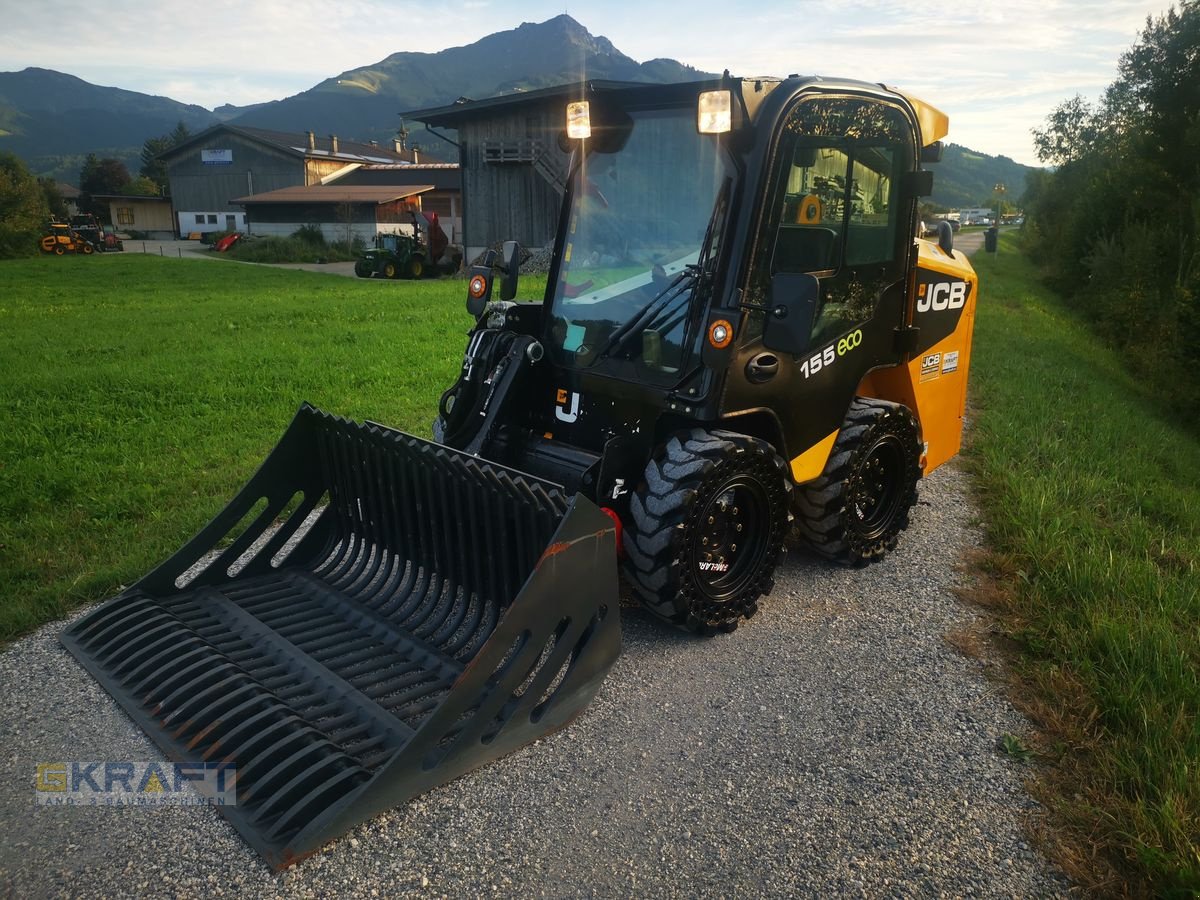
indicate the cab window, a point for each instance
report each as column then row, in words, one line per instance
column 834, row 206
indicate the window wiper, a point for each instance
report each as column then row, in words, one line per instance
column 687, row 277
column 641, row 320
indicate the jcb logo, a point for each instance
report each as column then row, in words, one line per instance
column 941, row 295
column 561, row 412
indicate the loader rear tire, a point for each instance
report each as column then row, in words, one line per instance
column 854, row 512
column 707, row 529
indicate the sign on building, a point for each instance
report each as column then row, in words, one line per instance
column 216, row 157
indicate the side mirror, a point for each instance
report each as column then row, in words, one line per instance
column 946, row 237
column 792, row 308
column 510, row 267
column 932, row 153
column 917, row 184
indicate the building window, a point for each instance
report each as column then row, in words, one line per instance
column 212, row 218
column 124, row 215
column 199, row 218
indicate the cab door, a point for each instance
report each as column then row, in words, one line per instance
column 834, row 208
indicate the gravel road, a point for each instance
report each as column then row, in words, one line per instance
column 835, row 745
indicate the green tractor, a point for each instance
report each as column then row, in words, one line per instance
column 393, row 256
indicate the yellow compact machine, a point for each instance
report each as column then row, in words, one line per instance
column 740, row 338
column 61, row 239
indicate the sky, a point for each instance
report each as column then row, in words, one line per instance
column 996, row 67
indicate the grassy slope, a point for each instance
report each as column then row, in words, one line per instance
column 1092, row 499
column 138, row 393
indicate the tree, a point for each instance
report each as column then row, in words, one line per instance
column 54, row 199
column 142, row 187
column 100, row 176
column 23, row 209
column 1070, row 132
column 1117, row 223
column 153, row 167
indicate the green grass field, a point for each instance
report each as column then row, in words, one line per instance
column 139, row 393
column 1092, row 500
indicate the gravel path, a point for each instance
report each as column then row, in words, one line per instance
column 834, row 745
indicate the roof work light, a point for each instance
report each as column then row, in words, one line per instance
column 579, row 120
column 714, row 112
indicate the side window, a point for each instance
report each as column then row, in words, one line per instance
column 813, row 209
column 832, row 205
column 871, row 231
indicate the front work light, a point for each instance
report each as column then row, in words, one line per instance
column 713, row 113
column 579, row 120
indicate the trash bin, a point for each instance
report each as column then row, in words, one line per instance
column 991, row 239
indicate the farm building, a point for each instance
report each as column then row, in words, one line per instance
column 341, row 212
column 208, row 171
column 513, row 168
column 151, row 215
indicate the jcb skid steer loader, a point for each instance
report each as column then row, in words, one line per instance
column 739, row 329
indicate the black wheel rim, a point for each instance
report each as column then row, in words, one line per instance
column 731, row 538
column 876, row 491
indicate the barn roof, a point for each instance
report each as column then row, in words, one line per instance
column 326, row 193
column 464, row 108
column 295, row 144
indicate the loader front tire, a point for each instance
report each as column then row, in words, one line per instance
column 854, row 511
column 707, row 528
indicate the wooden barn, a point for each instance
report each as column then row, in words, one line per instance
column 513, row 169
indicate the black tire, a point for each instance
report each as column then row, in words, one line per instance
column 390, row 270
column 705, row 493
column 854, row 512
column 363, row 269
column 59, row 250
column 416, row 267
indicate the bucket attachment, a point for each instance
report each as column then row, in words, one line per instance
column 419, row 612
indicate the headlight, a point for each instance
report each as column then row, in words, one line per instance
column 714, row 112
column 579, row 120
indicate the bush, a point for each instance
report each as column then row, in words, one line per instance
column 288, row 250
column 310, row 234
column 23, row 209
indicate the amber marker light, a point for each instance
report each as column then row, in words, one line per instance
column 477, row 287
column 720, row 333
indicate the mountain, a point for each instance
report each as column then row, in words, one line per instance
column 366, row 103
column 53, row 120
column 968, row 178
column 47, row 116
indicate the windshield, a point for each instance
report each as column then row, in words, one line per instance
column 637, row 226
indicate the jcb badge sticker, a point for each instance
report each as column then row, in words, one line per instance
column 566, row 410
column 939, row 295
column 931, row 366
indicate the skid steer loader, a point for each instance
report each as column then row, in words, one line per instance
column 739, row 330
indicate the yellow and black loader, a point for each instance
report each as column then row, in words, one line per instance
column 741, row 339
